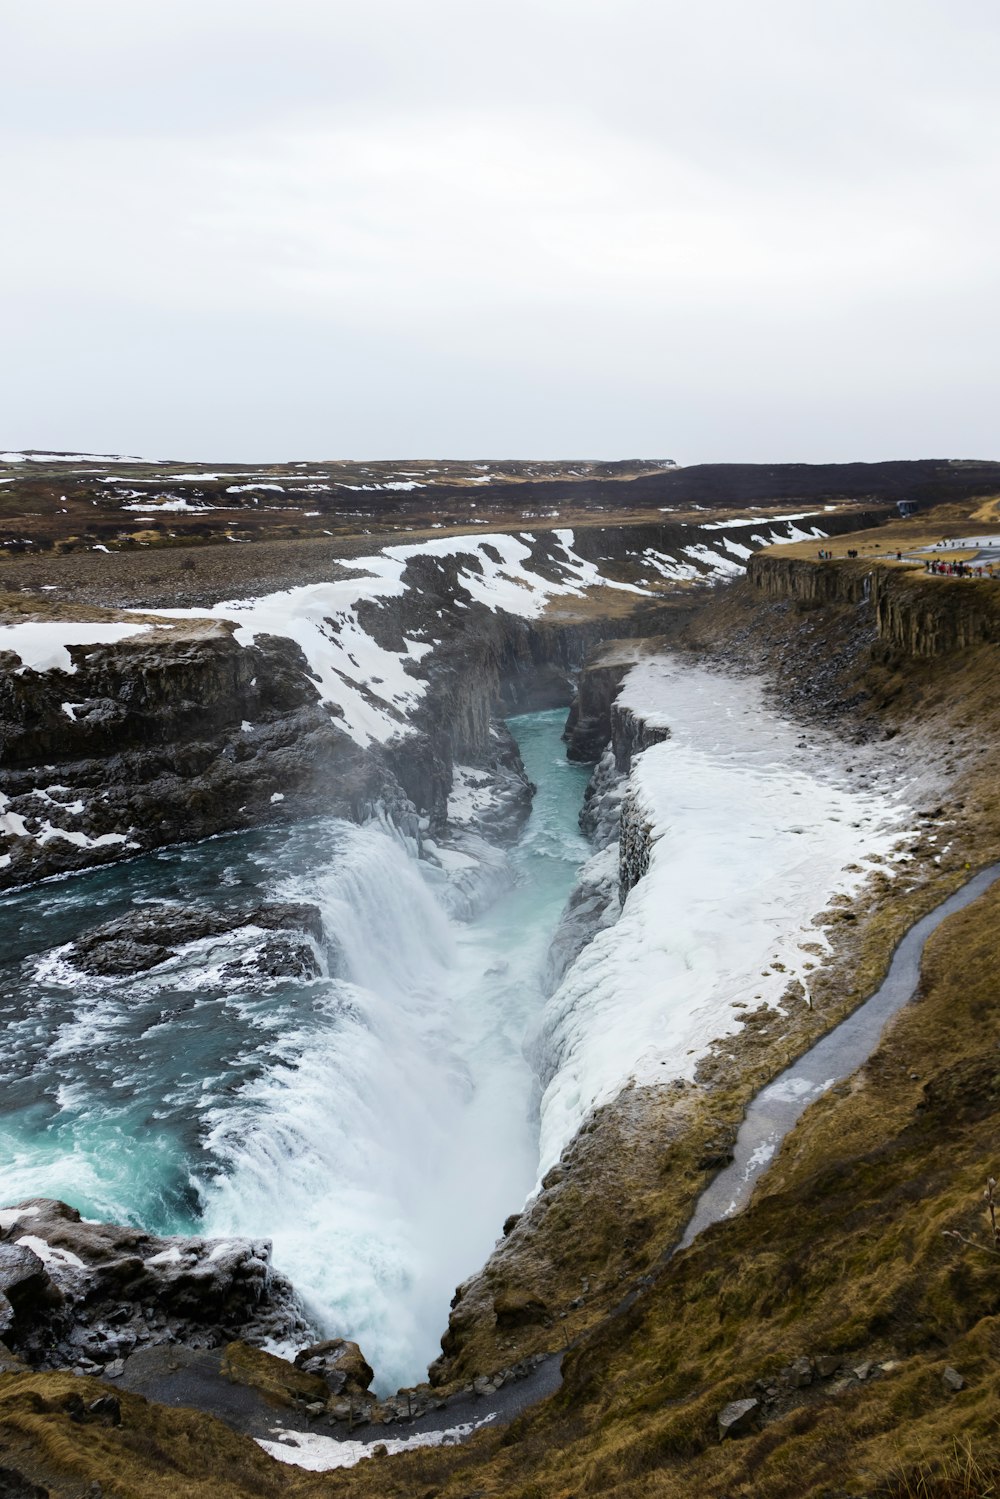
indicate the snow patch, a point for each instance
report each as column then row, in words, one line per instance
column 319, row 1454
column 42, row 645
column 10, row 1216
column 171, row 1256
column 368, row 683
column 49, row 1254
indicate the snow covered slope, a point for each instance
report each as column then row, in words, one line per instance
column 751, row 833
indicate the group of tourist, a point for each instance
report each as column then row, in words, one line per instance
column 959, row 569
column 933, row 565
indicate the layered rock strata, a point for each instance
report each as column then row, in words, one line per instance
column 908, row 611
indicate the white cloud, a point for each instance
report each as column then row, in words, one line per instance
column 632, row 209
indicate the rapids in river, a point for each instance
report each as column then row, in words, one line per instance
column 377, row 1123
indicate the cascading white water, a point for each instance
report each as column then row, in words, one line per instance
column 395, row 1128
column 351, row 1147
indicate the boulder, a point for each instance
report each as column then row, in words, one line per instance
column 737, row 1418
column 338, row 1362
column 26, row 1290
column 827, row 1364
column 952, row 1380
column 22, row 1273
column 798, row 1374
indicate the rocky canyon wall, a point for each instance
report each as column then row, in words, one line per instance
column 910, row 611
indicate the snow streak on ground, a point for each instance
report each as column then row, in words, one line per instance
column 73, row 458
column 371, row 683
column 753, row 832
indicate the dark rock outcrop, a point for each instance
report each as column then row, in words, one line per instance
column 87, row 1294
column 24, row 1285
column 168, row 740
column 149, row 935
column 908, row 611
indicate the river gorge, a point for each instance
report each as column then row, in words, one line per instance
column 518, row 864
column 379, row 1104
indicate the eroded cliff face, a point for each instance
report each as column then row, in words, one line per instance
column 909, row 611
column 165, row 738
column 588, row 727
column 925, row 616
column 808, row 582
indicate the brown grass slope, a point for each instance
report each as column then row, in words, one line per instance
column 848, row 1251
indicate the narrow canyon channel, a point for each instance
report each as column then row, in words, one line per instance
column 377, row 1121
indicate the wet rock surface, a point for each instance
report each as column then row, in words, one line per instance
column 87, row 1295
column 261, row 1395
column 146, row 937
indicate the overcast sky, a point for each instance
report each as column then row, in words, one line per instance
column 739, row 229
